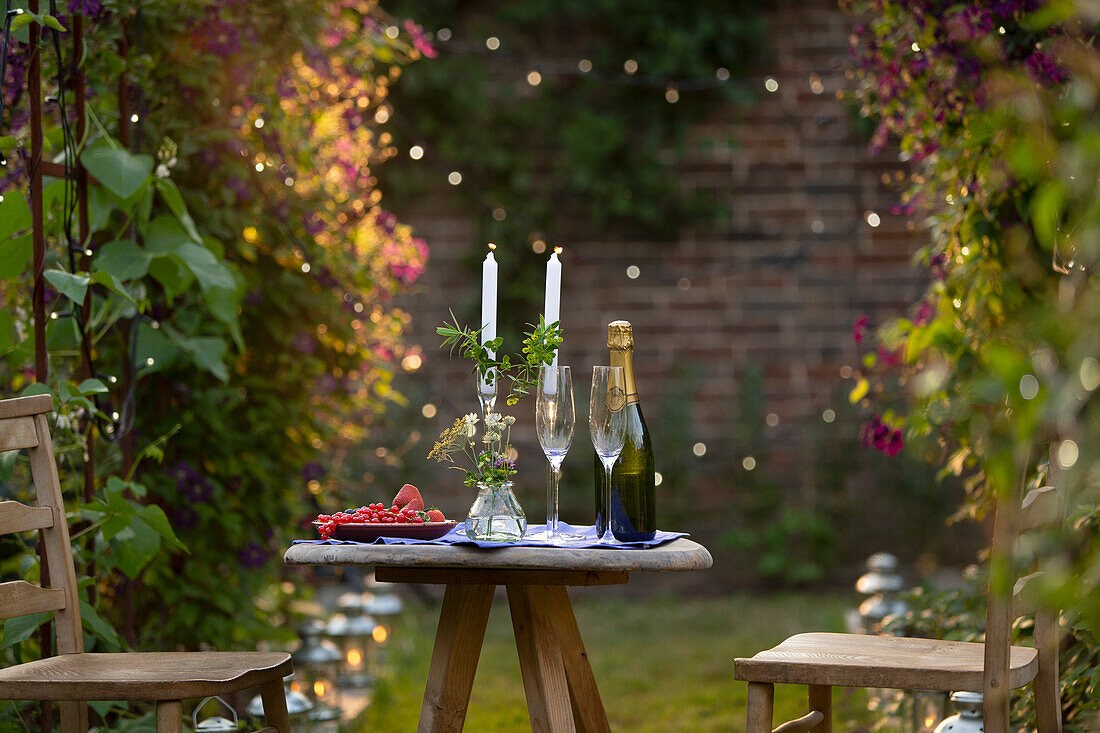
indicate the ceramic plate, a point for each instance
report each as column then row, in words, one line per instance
column 364, row 532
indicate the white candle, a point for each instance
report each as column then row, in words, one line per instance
column 489, row 298
column 552, row 305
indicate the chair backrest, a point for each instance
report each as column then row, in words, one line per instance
column 23, row 425
column 1040, row 508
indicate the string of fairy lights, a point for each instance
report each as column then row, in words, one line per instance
column 515, row 65
column 535, row 74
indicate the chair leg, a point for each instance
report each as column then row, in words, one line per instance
column 169, row 716
column 821, row 698
column 761, row 701
column 74, row 717
column 274, row 699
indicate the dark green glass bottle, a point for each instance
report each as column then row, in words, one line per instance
column 633, row 500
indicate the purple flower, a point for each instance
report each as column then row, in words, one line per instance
column 220, row 38
column 1044, row 69
column 304, row 343
column 184, row 518
column 924, row 314
column 313, row 471
column 191, row 485
column 253, row 555
column 89, row 8
column 878, row 435
column 502, row 462
column 938, row 265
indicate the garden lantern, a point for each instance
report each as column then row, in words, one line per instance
column 385, row 606
column 969, row 717
column 929, row 707
column 297, row 707
column 324, row 719
column 317, row 660
column 881, row 584
column 215, row 723
column 353, row 631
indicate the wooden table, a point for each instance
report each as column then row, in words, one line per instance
column 557, row 678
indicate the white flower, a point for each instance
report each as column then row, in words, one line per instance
column 162, row 171
column 509, row 420
column 470, row 420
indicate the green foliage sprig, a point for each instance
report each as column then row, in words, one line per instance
column 540, row 344
column 494, row 462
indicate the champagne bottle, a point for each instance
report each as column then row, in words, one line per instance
column 633, row 508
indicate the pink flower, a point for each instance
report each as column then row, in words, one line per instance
column 420, row 41
column 858, row 329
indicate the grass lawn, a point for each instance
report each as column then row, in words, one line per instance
column 662, row 664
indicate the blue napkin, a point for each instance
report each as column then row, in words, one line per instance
column 457, row 536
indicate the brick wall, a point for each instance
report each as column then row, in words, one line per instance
column 775, row 286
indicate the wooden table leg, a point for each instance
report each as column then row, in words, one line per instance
column 587, row 706
column 458, row 641
column 557, row 679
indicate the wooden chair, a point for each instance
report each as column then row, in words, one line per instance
column 74, row 676
column 823, row 660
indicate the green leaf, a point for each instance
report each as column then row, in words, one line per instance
column 92, row 622
column 208, row 353
column 7, row 142
column 169, row 271
column 20, row 628
column 36, row 388
column 123, row 259
column 21, row 20
column 206, row 268
column 54, row 23
column 14, row 256
column 15, row 214
column 92, row 386
column 174, row 199
column 164, row 235
column 99, row 208
column 7, row 332
column 154, row 516
column 123, row 173
column 153, row 343
column 223, row 305
column 73, row 287
column 110, row 282
column 103, row 707
column 134, row 547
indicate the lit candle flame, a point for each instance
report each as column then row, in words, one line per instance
column 492, row 246
column 319, row 688
column 355, row 658
column 380, row 634
column 557, row 250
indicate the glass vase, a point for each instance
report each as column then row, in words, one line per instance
column 496, row 515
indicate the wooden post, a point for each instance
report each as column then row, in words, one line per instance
column 38, row 294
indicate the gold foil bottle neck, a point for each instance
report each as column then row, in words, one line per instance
column 620, row 335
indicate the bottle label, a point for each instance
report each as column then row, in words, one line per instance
column 616, row 398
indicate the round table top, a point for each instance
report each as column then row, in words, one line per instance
column 678, row 555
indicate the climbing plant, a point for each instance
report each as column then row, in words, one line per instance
column 230, row 295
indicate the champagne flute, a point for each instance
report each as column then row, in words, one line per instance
column 554, row 418
column 607, row 423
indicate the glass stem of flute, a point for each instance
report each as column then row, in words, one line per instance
column 552, row 499
column 605, row 534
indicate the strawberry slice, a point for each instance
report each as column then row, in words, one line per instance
column 434, row 515
column 409, row 496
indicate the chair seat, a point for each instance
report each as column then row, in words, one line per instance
column 141, row 675
column 860, row 660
